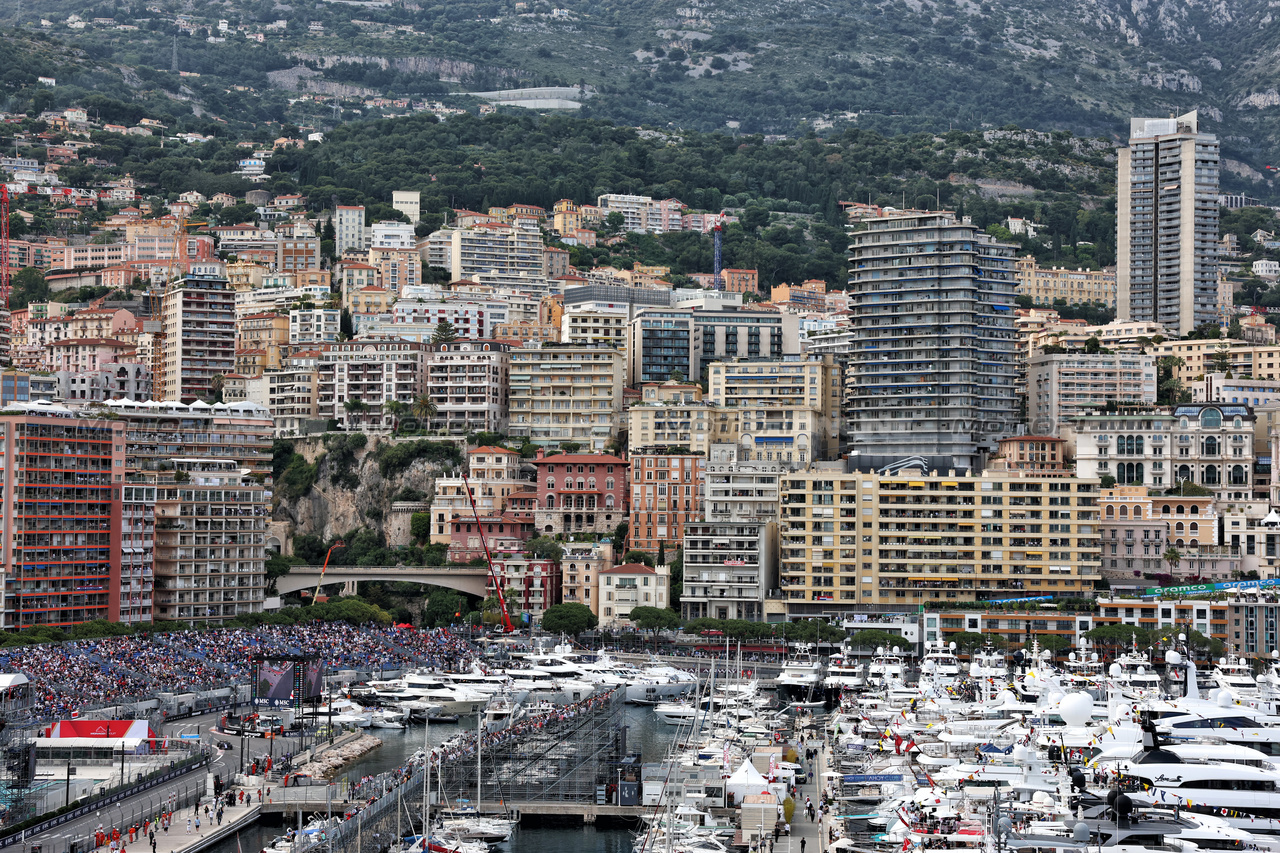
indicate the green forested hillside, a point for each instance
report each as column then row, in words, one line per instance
column 787, row 193
column 769, row 66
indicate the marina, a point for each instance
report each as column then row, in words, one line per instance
column 882, row 751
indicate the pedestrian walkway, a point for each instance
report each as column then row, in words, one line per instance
column 182, row 833
column 806, row 835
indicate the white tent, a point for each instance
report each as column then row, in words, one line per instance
column 748, row 780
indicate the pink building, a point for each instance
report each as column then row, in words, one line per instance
column 580, row 492
column 534, row 582
column 83, row 355
column 504, row 534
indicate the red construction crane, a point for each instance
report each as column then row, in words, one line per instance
column 497, row 584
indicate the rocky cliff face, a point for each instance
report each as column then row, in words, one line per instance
column 351, row 494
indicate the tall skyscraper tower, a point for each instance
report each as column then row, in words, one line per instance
column 1167, row 224
column 932, row 367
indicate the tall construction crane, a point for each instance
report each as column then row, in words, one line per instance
column 497, row 582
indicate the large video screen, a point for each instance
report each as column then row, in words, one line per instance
column 313, row 684
column 273, row 684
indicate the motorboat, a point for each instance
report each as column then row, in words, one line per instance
column 1234, row 674
column 802, row 672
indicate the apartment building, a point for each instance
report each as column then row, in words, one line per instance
column 630, row 585
column 1210, row 445
column 580, row 565
column 349, row 229
column 562, row 392
column 198, row 319
column 473, row 319
column 683, row 341
column 916, row 537
column 1177, row 535
column 731, row 557
column 1167, row 224
column 356, row 379
column 309, row 328
column 788, row 411
column 1047, row 285
column 590, row 326
column 530, row 585
column 91, row 256
column 487, row 247
column 1063, row 386
column 409, row 203
column 129, row 380
column 210, row 519
column 261, row 342
column 297, row 251
column 673, row 414
column 566, row 217
column 667, row 492
column 61, row 477
column 494, row 474
column 580, row 493
column 291, row 392
column 934, row 366
column 397, row 268
column 1043, row 455
column 468, row 380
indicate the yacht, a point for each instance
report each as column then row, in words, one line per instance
column 843, row 671
column 433, row 689
column 802, row 672
column 1245, row 795
column 885, row 667
column 1234, row 674
column 941, row 665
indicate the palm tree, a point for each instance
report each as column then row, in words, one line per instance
column 1173, row 557
column 396, row 409
column 354, row 407
column 425, row 408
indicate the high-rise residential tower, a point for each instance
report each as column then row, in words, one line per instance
column 932, row 366
column 1167, row 224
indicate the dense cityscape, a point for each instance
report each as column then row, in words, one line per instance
column 279, row 467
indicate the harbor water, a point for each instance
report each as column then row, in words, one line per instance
column 645, row 735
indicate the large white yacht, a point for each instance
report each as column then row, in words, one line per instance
column 433, row 689
column 802, row 672
column 1234, row 674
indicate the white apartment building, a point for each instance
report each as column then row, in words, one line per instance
column 467, row 380
column 596, row 326
column 392, row 235
column 311, row 327
column 1063, row 386
column 471, row 319
column 408, row 202
column 486, row 248
column 349, row 229
column 731, row 558
column 1207, row 444
column 372, row 372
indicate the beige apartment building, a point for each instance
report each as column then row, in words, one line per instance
column 788, row 410
column 675, row 414
column 494, row 474
column 566, row 392
column 1063, row 386
column 912, row 538
column 1045, row 285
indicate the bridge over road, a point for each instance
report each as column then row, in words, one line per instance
column 467, row 579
